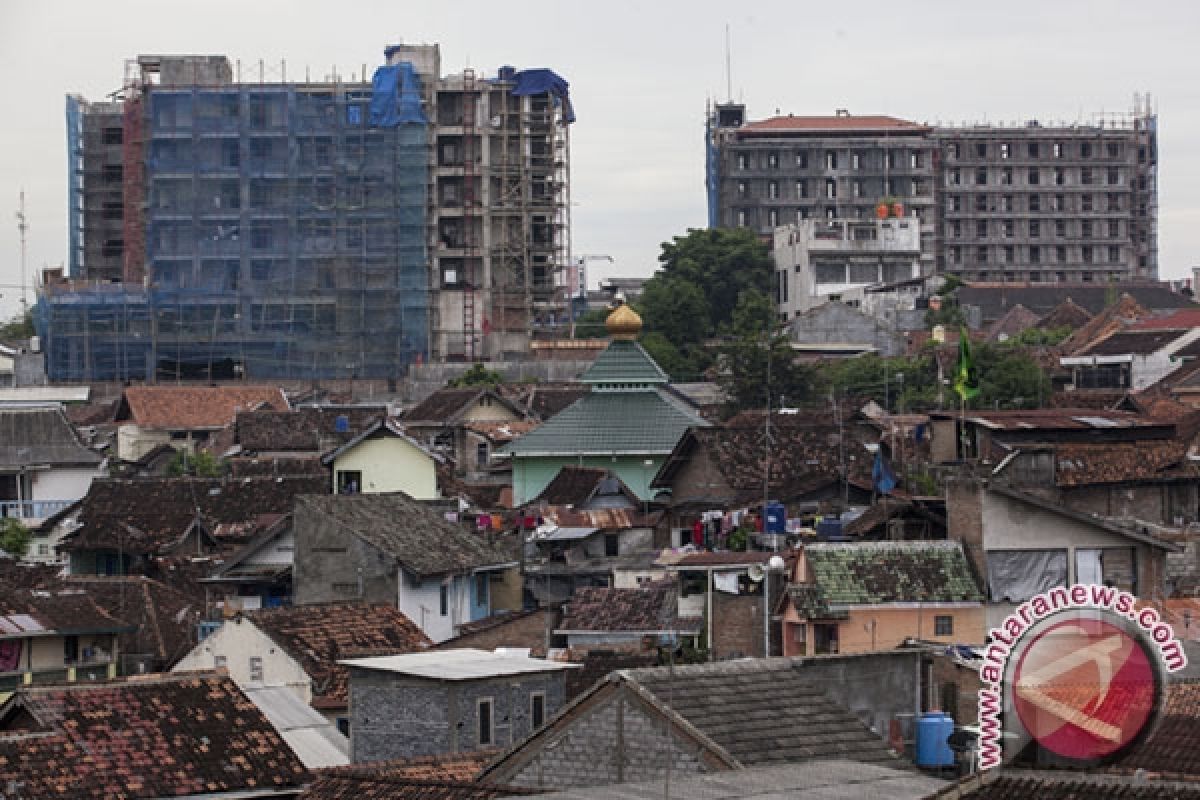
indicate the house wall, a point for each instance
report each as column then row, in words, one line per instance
column 633, row 578
column 390, row 464
column 876, row 687
column 238, row 640
column 1170, row 504
column 67, row 484
column 133, row 442
column 868, row 630
column 334, row 566
column 737, row 626
column 955, row 689
column 1012, row 525
column 531, row 474
column 279, row 550
column 397, row 716
column 508, row 589
column 421, row 602
column 528, row 630
column 487, row 409
column 49, row 652
column 611, row 741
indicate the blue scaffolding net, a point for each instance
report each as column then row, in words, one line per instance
column 285, row 238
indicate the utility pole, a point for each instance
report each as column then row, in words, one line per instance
column 22, row 227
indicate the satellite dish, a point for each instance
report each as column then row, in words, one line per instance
column 756, row 572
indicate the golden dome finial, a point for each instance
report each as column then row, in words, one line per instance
column 623, row 322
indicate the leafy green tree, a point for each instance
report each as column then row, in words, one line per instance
column 477, row 375
column 720, row 263
column 1009, row 378
column 201, row 465
column 19, row 326
column 590, row 324
column 757, row 358
column 14, row 537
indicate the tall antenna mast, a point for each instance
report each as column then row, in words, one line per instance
column 22, row 227
column 728, row 68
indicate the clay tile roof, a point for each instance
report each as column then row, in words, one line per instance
column 1015, row 320
column 892, row 572
column 1010, row 784
column 446, row 406
column 66, row 611
column 1142, row 342
column 646, row 609
column 1179, row 319
column 446, row 777
column 316, row 636
column 1083, row 464
column 842, row 123
column 161, row 616
column 195, row 407
column 1109, row 320
column 1067, row 314
column 305, row 429
column 148, row 514
column 421, row 540
column 573, row 486
column 1174, row 747
column 161, row 735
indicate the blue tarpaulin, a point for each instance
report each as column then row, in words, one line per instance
column 396, row 96
column 544, row 81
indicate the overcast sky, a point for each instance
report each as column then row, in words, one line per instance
column 640, row 73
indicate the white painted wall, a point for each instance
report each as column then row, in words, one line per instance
column 280, row 550
column 239, row 639
column 68, row 484
column 390, row 464
column 422, row 604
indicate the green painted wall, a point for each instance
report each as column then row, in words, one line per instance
column 532, row 473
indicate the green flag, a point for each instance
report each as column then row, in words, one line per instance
column 966, row 381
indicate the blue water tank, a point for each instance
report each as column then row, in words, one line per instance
column 933, row 731
column 776, row 518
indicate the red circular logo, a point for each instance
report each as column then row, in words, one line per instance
column 1085, row 688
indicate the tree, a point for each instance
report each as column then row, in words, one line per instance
column 758, row 358
column 720, row 264
column 201, row 464
column 590, row 324
column 477, row 375
column 1009, row 378
column 20, row 326
column 14, row 537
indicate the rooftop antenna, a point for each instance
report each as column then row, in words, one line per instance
column 728, row 68
column 22, row 227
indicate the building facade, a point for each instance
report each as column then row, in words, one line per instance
column 324, row 228
column 1062, row 203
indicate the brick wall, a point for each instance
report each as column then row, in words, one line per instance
column 737, row 628
column 395, row 716
column 955, row 690
column 964, row 520
column 611, row 742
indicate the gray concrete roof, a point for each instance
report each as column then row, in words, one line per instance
column 812, row 780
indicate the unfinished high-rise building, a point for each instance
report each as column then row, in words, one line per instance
column 1018, row 203
column 225, row 226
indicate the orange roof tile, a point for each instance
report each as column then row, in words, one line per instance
column 870, row 123
column 192, row 407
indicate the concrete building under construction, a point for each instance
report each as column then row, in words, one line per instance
column 224, row 227
column 1031, row 202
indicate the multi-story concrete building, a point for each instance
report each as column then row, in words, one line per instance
column 784, row 170
column 1049, row 203
column 818, row 261
column 324, row 228
column 1032, row 203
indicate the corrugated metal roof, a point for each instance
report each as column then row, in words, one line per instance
column 314, row 740
column 21, row 623
column 566, row 534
